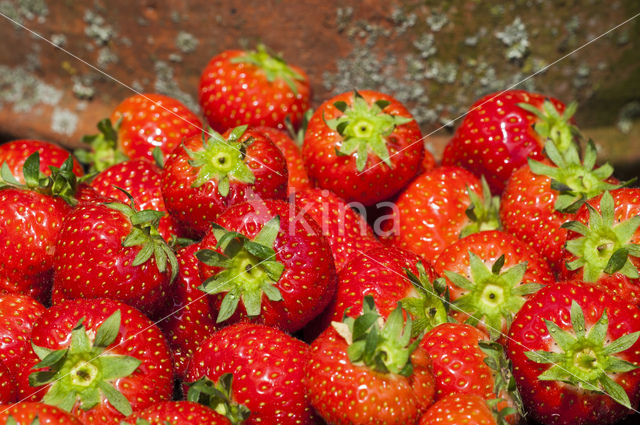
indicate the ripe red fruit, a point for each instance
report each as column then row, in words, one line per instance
column 458, row 409
column 438, row 208
column 267, row 261
column 498, row 134
column 255, row 88
column 347, row 231
column 8, row 390
column 575, row 355
column 112, row 250
column 209, row 173
column 177, row 413
column 98, row 359
column 362, row 372
column 16, row 152
column 34, row 413
column 363, row 146
column 267, row 367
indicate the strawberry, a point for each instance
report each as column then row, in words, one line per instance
column 575, row 355
column 32, row 214
column 239, row 87
column 16, row 152
column 112, row 250
column 268, row 262
column 347, row 231
column 206, row 175
column 141, row 179
column 176, row 413
column 138, row 126
column 603, row 244
column 34, row 413
column 267, row 367
column 98, row 359
column 298, row 178
column 439, row 207
column 543, row 195
column 363, row 372
column 363, row 146
column 502, row 129
column 8, row 391
column 490, row 275
column 462, row 409
column 188, row 318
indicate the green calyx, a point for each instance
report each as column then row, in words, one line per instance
column 364, row 129
column 85, row 371
column 551, row 125
column 222, row 159
column 492, row 295
column 218, row 396
column 504, row 383
column 144, row 233
column 584, row 358
column 575, row 181
column 274, row 67
column 484, row 212
column 62, row 182
column 431, row 307
column 104, row 148
column 248, row 269
column 604, row 247
column 383, row 346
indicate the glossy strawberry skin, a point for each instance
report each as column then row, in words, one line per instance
column 459, row 409
column 497, row 136
column 347, row 394
column 29, row 228
column 25, row 412
column 151, row 382
column 430, row 212
column 8, row 390
column 347, row 232
column 178, row 412
column 153, row 120
column 298, row 177
column 141, row 178
column 339, row 174
column 309, row 279
column 196, row 207
column 553, row 402
column 233, row 94
column 15, row 152
column 268, row 371
column 90, row 261
column 188, row 319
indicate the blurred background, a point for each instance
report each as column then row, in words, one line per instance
column 437, row 56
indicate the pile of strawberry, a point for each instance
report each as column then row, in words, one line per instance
column 283, row 266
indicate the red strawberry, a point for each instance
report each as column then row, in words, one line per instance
column 34, row 413
column 541, row 196
column 205, row 176
column 254, row 88
column 140, row 178
column 99, row 359
column 439, row 207
column 347, row 231
column 112, row 250
column 603, row 244
column 267, row 367
column 490, row 274
column 362, row 372
column 575, row 355
column 137, row 126
column 363, row 146
column 502, row 129
column 16, row 152
column 32, row 215
column 461, row 409
column 298, row 178
column 266, row 261
column 8, row 390
column 188, row 319
column 177, row 413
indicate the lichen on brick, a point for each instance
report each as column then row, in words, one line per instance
column 97, row 29
column 437, row 21
column 23, row 90
column 21, row 10
column 64, row 121
column 186, row 42
column 166, row 84
column 59, row 39
column 515, row 37
column 425, row 45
